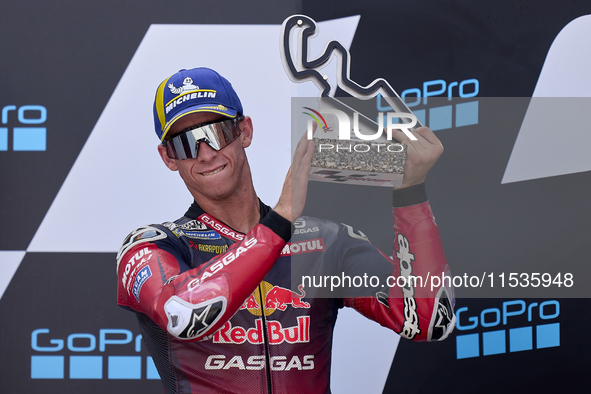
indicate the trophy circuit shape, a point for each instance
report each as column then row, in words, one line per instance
column 352, row 147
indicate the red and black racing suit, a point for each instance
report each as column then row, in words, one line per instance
column 225, row 312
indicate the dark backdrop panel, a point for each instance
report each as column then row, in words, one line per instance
column 533, row 225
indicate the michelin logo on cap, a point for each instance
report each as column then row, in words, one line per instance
column 190, row 91
column 192, row 96
column 187, row 86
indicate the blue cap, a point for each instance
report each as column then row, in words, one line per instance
column 191, row 91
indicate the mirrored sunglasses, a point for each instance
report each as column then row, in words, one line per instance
column 218, row 135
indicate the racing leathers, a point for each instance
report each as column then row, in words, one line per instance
column 226, row 312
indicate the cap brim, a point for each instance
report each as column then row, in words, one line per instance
column 212, row 108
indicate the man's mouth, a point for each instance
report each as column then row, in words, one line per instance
column 214, row 171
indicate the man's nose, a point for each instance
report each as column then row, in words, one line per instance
column 205, row 152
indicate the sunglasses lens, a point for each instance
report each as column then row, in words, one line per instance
column 217, row 135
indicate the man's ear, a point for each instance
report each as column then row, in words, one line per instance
column 170, row 163
column 246, row 128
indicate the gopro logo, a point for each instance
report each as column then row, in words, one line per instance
column 541, row 335
column 27, row 138
column 445, row 116
column 77, row 356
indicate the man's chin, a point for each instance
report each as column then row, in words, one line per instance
column 217, row 190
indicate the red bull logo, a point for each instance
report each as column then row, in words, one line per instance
column 278, row 334
column 250, row 303
column 274, row 298
column 280, row 298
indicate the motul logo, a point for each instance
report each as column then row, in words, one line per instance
column 145, row 253
column 277, row 333
column 313, row 245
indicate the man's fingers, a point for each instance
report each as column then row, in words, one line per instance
column 293, row 196
column 302, row 146
column 420, row 144
column 301, row 164
column 405, row 139
column 426, row 140
column 307, row 150
column 305, row 135
column 428, row 135
column 411, row 150
column 304, row 151
column 400, row 135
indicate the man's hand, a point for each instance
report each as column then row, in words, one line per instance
column 293, row 195
column 421, row 154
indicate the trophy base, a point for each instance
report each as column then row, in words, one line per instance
column 358, row 162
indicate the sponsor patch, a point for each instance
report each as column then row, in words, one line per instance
column 306, row 230
column 219, row 264
column 313, row 245
column 277, row 363
column 217, row 249
column 278, row 334
column 140, row 258
column 193, row 225
column 188, row 86
column 410, row 328
column 299, row 223
column 209, row 234
column 140, row 279
column 220, row 227
column 187, row 93
column 274, row 298
column 280, row 297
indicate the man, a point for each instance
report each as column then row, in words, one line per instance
column 213, row 290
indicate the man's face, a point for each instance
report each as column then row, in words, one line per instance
column 213, row 174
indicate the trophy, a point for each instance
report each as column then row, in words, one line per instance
column 351, row 145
